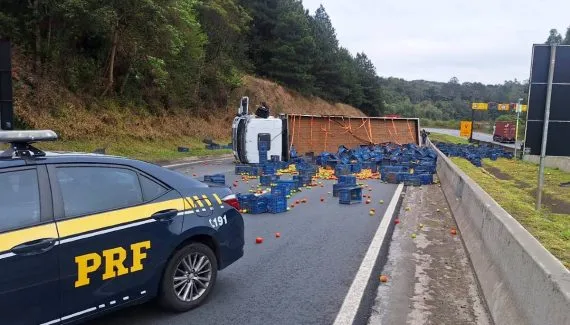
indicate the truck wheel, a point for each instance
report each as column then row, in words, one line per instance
column 189, row 278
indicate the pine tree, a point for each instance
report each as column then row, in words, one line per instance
column 329, row 81
column 554, row 37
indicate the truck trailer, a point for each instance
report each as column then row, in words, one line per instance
column 305, row 134
column 504, row 132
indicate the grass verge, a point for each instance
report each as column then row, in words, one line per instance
column 513, row 184
column 151, row 150
column 438, row 137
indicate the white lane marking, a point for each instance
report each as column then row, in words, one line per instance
column 55, row 321
column 101, row 232
column 143, row 292
column 102, row 306
column 195, row 162
column 126, row 298
column 79, row 313
column 113, row 302
column 354, row 296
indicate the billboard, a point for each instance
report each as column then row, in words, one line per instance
column 480, row 106
column 559, row 121
column 6, row 108
column 503, row 107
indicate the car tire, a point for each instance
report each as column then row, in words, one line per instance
column 184, row 278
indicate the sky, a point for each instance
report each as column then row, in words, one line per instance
column 486, row 41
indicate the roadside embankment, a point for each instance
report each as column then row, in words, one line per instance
column 521, row 281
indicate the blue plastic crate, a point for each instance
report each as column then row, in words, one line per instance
column 412, row 180
column 263, row 145
column 350, row 195
column 302, row 180
column 342, row 169
column 394, row 178
column 288, row 185
column 277, row 208
column 275, row 158
column 216, row 179
column 245, row 200
column 267, row 180
column 425, row 179
column 347, row 179
column 394, row 169
column 269, row 168
column 258, row 205
column 278, row 190
column 263, row 157
column 242, row 169
column 424, row 169
column 355, row 167
column 338, row 187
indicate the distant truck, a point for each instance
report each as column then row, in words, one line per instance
column 504, row 132
column 304, row 134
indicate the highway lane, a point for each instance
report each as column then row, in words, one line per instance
column 477, row 135
column 300, row 278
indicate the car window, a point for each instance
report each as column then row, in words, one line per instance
column 151, row 189
column 19, row 199
column 89, row 190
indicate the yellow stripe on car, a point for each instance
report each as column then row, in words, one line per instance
column 197, row 199
column 12, row 239
column 113, row 218
column 208, row 202
column 217, row 198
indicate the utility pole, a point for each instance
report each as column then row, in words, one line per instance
column 545, row 129
column 518, row 109
column 472, row 124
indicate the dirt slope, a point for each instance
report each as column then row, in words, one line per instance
column 44, row 104
column 282, row 100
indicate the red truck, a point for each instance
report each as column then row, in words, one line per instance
column 504, row 132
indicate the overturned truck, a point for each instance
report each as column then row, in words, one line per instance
column 304, row 134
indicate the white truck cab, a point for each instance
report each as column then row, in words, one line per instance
column 248, row 130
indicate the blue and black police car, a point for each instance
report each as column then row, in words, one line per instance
column 85, row 234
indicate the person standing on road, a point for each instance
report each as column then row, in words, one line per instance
column 424, row 136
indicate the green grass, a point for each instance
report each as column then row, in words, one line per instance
column 150, row 150
column 447, row 138
column 517, row 196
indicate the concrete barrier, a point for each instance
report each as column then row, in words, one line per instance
column 562, row 163
column 521, row 281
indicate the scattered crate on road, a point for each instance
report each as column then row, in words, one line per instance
column 216, row 179
column 350, row 195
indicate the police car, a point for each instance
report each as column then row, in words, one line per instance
column 85, row 234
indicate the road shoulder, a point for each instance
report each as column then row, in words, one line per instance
column 431, row 280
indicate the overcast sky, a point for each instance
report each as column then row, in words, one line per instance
column 489, row 41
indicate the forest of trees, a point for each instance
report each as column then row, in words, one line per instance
column 192, row 53
column 447, row 101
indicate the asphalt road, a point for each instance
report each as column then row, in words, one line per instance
column 477, row 135
column 300, row 278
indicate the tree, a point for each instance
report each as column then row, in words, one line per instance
column 282, row 47
column 225, row 24
column 566, row 40
column 329, row 81
column 372, row 103
column 554, row 37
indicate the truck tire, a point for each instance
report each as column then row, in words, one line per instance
column 189, row 278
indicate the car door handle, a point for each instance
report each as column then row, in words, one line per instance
column 166, row 215
column 34, row 247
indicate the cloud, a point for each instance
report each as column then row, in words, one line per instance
column 485, row 40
